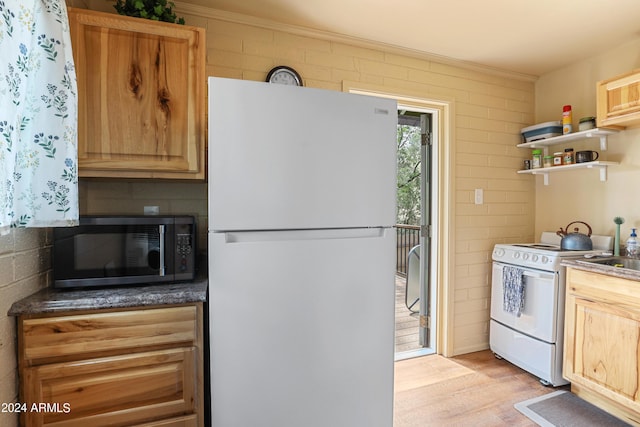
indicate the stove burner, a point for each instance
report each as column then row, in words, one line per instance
column 546, row 247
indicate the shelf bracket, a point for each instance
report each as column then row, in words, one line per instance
column 603, row 142
column 603, row 171
column 603, row 174
column 545, row 176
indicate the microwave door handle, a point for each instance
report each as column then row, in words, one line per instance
column 162, row 264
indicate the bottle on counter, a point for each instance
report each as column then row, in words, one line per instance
column 632, row 244
column 536, row 160
column 547, row 161
column 567, row 120
column 557, row 158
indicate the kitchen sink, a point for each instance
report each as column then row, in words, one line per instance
column 619, row 262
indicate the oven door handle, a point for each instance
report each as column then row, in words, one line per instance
column 161, row 231
column 528, row 272
column 535, row 275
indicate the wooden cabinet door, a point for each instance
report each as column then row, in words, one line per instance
column 114, row 391
column 141, row 96
column 618, row 101
column 602, row 335
column 605, row 353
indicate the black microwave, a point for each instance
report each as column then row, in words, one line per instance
column 124, row 250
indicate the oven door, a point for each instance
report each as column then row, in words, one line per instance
column 540, row 314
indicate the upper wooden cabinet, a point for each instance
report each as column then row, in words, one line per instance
column 141, row 92
column 618, row 101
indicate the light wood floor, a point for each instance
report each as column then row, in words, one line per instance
column 469, row 390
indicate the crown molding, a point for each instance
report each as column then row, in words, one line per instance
column 210, row 13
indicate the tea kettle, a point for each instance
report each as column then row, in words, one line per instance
column 575, row 241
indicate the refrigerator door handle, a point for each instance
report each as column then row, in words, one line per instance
column 316, row 234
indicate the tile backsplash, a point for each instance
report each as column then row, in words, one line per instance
column 129, row 197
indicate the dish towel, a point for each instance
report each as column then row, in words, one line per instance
column 513, row 290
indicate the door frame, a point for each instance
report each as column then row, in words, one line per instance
column 443, row 198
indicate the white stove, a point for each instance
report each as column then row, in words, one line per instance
column 531, row 336
column 547, row 254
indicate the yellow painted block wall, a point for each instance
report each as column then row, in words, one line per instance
column 581, row 195
column 489, row 111
column 25, row 268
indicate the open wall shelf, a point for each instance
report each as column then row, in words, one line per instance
column 599, row 133
column 602, row 166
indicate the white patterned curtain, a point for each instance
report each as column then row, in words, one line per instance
column 38, row 116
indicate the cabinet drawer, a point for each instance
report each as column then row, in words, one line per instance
column 114, row 391
column 186, row 421
column 88, row 335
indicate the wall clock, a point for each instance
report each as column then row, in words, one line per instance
column 284, row 75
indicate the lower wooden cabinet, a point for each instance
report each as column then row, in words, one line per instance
column 119, row 368
column 602, row 338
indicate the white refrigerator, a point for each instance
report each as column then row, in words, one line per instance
column 302, row 203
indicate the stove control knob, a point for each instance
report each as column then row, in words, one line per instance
column 516, row 255
column 525, row 256
column 498, row 253
column 544, row 259
column 534, row 258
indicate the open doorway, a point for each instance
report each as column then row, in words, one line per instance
column 415, row 294
column 441, row 209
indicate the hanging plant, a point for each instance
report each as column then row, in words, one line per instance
column 157, row 10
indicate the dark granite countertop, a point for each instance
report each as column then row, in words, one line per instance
column 52, row 300
column 623, row 273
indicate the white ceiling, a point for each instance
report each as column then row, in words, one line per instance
column 530, row 37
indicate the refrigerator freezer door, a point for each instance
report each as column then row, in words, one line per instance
column 301, row 327
column 285, row 157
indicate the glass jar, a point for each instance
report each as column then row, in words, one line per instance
column 547, row 161
column 567, row 159
column 587, row 123
column 557, row 158
column 536, row 160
